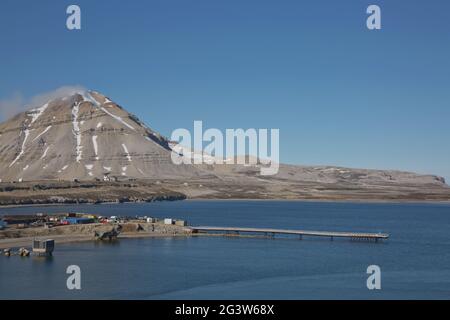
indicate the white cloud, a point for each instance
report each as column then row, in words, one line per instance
column 17, row 103
column 11, row 106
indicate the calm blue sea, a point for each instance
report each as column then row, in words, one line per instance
column 414, row 262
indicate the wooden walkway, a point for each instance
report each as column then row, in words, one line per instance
column 300, row 233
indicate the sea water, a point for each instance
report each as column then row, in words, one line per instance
column 414, row 261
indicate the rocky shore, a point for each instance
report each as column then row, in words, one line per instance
column 63, row 192
column 15, row 238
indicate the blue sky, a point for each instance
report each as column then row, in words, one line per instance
column 339, row 93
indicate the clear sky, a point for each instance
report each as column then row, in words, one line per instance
column 339, row 93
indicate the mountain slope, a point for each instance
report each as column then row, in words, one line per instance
column 83, row 147
column 83, row 136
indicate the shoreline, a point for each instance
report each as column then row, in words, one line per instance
column 15, row 238
column 13, row 243
column 356, row 201
column 368, row 201
column 16, row 243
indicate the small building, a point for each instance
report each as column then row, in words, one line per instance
column 43, row 247
column 151, row 220
column 107, row 177
column 90, row 216
column 71, row 220
column 181, row 223
column 48, row 225
column 113, row 219
column 168, row 221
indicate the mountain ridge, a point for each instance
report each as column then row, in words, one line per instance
column 85, row 136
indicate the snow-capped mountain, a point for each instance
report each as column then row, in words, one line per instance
column 83, row 136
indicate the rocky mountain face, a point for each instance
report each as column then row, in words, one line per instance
column 84, row 147
column 81, row 137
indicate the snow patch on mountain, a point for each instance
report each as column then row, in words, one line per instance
column 36, row 113
column 126, row 152
column 118, row 118
column 22, row 150
column 43, row 132
column 89, row 98
column 45, row 152
column 77, row 132
column 94, row 142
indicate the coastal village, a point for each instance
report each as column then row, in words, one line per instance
column 36, row 234
column 42, row 231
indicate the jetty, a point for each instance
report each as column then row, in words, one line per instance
column 301, row 233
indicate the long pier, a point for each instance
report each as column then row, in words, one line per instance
column 300, row 233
